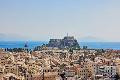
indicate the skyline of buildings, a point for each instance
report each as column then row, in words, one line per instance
column 37, row 40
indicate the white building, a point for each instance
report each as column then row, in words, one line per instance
column 105, row 70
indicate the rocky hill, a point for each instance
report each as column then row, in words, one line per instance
column 66, row 42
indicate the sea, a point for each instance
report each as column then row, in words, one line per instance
column 33, row 44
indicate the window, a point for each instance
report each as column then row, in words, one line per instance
column 45, row 70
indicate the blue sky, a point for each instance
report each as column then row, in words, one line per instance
column 44, row 19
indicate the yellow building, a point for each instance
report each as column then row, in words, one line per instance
column 86, row 70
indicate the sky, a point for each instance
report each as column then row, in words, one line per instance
column 45, row 19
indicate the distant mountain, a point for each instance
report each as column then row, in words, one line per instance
column 11, row 37
column 90, row 39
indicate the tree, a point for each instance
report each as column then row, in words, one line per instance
column 116, row 77
column 62, row 76
column 71, row 51
column 62, row 66
column 12, row 78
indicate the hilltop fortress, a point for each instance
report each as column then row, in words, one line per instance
column 66, row 42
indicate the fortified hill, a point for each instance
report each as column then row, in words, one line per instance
column 66, row 42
